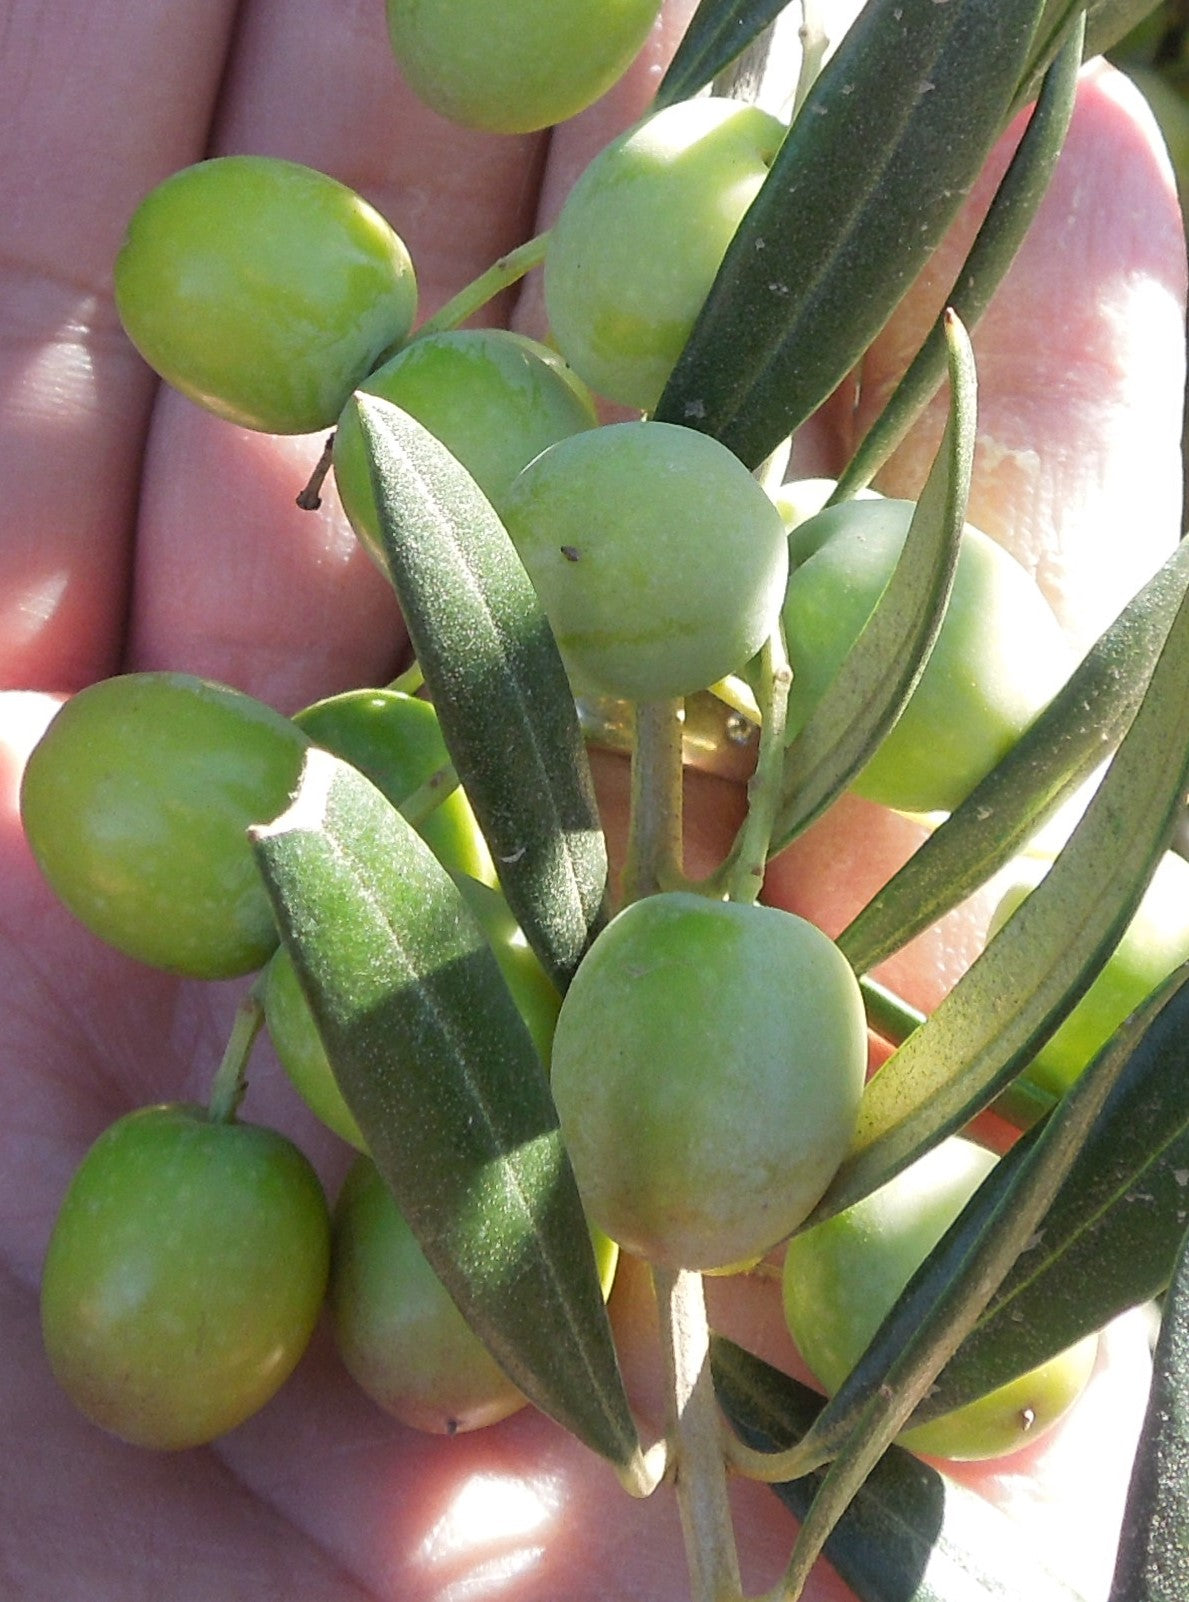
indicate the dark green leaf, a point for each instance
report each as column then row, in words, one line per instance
column 1063, row 747
column 1044, row 958
column 879, row 159
column 718, row 34
column 881, row 670
column 1016, row 201
column 439, row 1070
column 1110, row 1238
column 949, row 1293
column 1106, row 23
column 911, row 1534
column 1153, row 1558
column 940, row 1305
column 497, row 683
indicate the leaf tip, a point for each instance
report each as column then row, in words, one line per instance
column 307, row 809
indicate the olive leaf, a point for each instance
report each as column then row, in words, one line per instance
column 497, row 683
column 718, row 34
column 939, row 1306
column 1153, row 1555
column 881, row 669
column 1060, row 750
column 911, row 1534
column 1013, row 206
column 1004, row 1221
column 1043, row 959
column 879, row 159
column 440, row 1073
column 1109, row 1240
column 1106, row 23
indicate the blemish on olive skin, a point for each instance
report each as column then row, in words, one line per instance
column 571, row 553
column 453, row 1426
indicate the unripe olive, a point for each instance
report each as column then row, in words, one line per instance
column 528, row 65
column 395, row 740
column 1155, row 942
column 707, row 1067
column 495, row 400
column 842, row 1277
column 998, row 660
column 660, row 562
column 184, row 1276
column 399, row 1333
column 263, row 290
column 642, row 235
column 298, row 1044
column 136, row 803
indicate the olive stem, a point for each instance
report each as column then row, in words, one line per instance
column 654, row 853
column 696, row 1433
column 410, row 681
column 310, row 498
column 501, row 275
column 230, row 1081
column 426, row 799
column 768, row 1468
column 887, row 1013
column 814, row 44
column 744, row 869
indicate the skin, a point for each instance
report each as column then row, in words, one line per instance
column 137, row 532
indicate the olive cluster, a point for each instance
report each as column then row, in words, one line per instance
column 708, row 1059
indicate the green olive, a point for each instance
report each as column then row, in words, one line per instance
column 642, row 235
column 263, row 290
column 396, row 741
column 136, row 804
column 523, row 65
column 844, row 1275
column 399, row 1333
column 1155, row 942
column 184, row 1275
column 494, row 399
column 707, row 1068
column 999, row 658
column 298, row 1044
column 659, row 560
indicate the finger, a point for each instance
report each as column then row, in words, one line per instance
column 100, row 101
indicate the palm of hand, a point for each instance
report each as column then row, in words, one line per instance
column 320, row 1495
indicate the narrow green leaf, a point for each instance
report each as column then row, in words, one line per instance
column 1108, row 20
column 497, row 683
column 881, row 669
column 1059, row 751
column 1106, row 23
column 718, row 34
column 1153, row 1557
column 1043, row 959
column 1110, row 1239
column 949, row 1293
column 886, row 145
column 911, row 1534
column 439, row 1070
column 1015, row 203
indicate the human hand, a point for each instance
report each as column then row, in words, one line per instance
column 138, row 532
